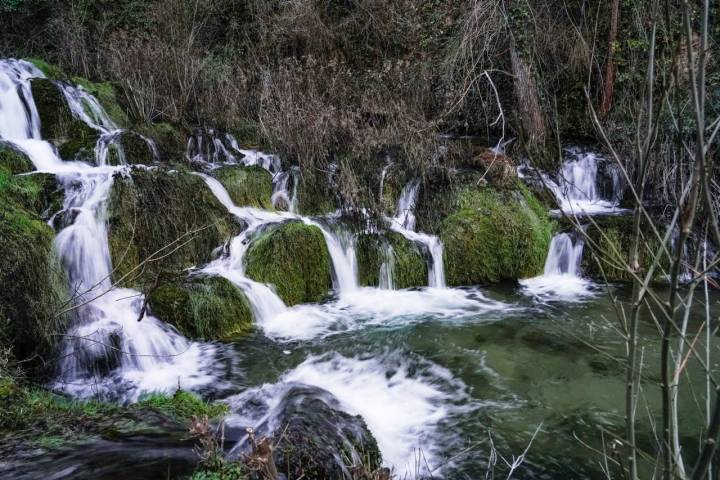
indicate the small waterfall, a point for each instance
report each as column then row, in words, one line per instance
column 341, row 246
column 578, row 189
column 564, row 256
column 561, row 278
column 404, row 223
column 387, row 268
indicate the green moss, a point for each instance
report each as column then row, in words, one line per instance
column 294, row 258
column 107, row 94
column 182, row 405
column 14, row 160
column 170, row 139
column 410, row 268
column 52, row 72
column 34, row 286
column 136, row 148
column 227, row 471
column 408, row 263
column 75, row 140
column 610, row 241
column 204, row 307
column 495, row 235
column 170, row 212
column 247, row 186
column 315, row 195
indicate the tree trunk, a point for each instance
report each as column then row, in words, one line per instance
column 609, row 81
column 532, row 119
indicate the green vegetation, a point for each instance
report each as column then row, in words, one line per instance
column 608, row 247
column 14, row 160
column 203, row 307
column 74, row 139
column 170, row 217
column 495, row 235
column 409, row 265
column 294, row 258
column 53, row 72
column 227, row 471
column 34, row 287
column 182, row 406
column 247, row 186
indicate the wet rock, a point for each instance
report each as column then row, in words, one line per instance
column 210, row 308
column 74, row 139
column 247, row 186
column 294, row 258
column 137, row 149
column 170, row 212
column 409, row 266
column 14, row 160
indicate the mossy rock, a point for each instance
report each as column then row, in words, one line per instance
column 165, row 211
column 107, row 94
column 170, row 140
column 247, row 186
column 75, row 140
column 410, row 269
column 136, row 148
column 608, row 245
column 14, row 160
column 294, row 258
column 316, row 195
column 34, row 287
column 51, row 71
column 495, row 235
column 210, row 308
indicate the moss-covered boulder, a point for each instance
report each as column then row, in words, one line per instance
column 33, row 290
column 408, row 265
column 75, row 140
column 14, row 160
column 495, row 235
column 210, row 308
column 168, row 219
column 316, row 195
column 136, row 148
column 170, row 140
column 294, row 258
column 247, row 186
column 607, row 249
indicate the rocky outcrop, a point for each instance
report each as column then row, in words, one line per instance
column 294, row 258
column 168, row 216
column 409, row 266
column 210, row 308
column 247, row 186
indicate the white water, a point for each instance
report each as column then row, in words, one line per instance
column 106, row 351
column 402, row 404
column 404, row 224
column 577, row 189
column 386, row 280
column 561, row 279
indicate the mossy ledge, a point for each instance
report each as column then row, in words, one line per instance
column 294, row 258
column 34, row 286
column 210, row 308
column 167, row 215
column 73, row 138
column 247, row 186
column 410, row 268
column 14, row 160
column 495, row 235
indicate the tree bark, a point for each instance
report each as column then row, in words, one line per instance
column 609, row 80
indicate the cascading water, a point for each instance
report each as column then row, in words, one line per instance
column 107, row 351
column 578, row 190
column 561, row 278
column 404, row 224
column 387, row 268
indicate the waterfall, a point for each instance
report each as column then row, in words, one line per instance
column 404, row 223
column 561, row 278
column 106, row 351
column 578, row 190
column 387, row 268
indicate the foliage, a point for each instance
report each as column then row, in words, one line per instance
column 181, row 405
column 294, row 259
